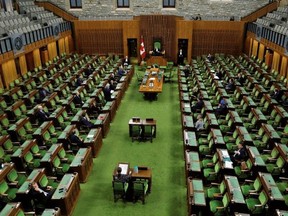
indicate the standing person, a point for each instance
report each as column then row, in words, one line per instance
column 180, row 57
column 126, row 61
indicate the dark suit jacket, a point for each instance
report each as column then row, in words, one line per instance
column 84, row 121
column 40, row 197
column 78, row 100
column 107, row 93
column 75, row 139
column 42, row 116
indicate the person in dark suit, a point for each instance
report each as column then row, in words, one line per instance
column 77, row 99
column 85, row 121
column 79, row 80
column 121, row 72
column 276, row 94
column 107, row 92
column 157, row 51
column 230, row 85
column 180, row 57
column 126, row 61
column 198, row 105
column 239, row 155
column 222, row 107
column 40, row 194
column 240, row 78
column 43, row 93
column 121, row 177
column 74, row 139
column 42, row 115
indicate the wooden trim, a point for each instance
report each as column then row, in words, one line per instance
column 261, row 12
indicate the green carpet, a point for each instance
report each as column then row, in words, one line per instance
column 164, row 155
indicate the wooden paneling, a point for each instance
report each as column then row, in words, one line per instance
column 255, row 48
column 36, row 58
column 183, row 31
column 23, row 64
column 52, row 50
column 261, row 52
column 99, row 36
column 131, row 30
column 61, row 45
column 284, row 67
column 9, row 72
column 162, row 27
column 217, row 37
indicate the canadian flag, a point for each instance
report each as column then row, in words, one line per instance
column 142, row 48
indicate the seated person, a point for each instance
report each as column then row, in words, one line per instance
column 77, row 99
column 239, row 155
column 198, row 105
column 79, row 80
column 85, row 121
column 198, row 17
column 121, row 72
column 276, row 94
column 231, row 85
column 107, row 92
column 42, row 116
column 199, row 125
column 121, row 177
column 88, row 71
column 219, row 74
column 74, row 139
column 113, row 84
column 43, row 93
column 222, row 107
column 39, row 194
column 240, row 78
column 187, row 71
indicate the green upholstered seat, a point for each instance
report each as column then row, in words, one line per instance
column 37, row 152
column 3, row 156
column 7, row 194
column 119, row 189
column 206, row 149
column 276, row 168
column 244, row 172
column 140, row 188
column 271, row 155
column 30, row 161
column 64, row 156
column 219, row 207
column 282, row 185
column 9, row 147
column 44, row 181
column 16, row 178
column 211, row 174
column 216, row 190
column 210, row 162
column 60, row 168
column 257, row 205
column 251, row 187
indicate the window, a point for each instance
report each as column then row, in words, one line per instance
column 75, row 3
column 123, row 3
column 169, row 3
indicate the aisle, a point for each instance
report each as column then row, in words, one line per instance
column 164, row 155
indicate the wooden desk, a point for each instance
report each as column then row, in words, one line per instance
column 104, row 123
column 148, row 128
column 275, row 196
column 225, row 161
column 52, row 212
column 82, row 163
column 185, row 108
column 66, row 195
column 12, row 209
column 143, row 173
column 234, row 192
column 256, row 158
column 159, row 60
column 193, row 164
column 152, row 82
column 94, row 140
column 187, row 122
column 190, row 141
column 195, row 196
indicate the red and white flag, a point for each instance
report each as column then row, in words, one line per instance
column 142, row 49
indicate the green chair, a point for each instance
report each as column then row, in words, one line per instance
column 209, row 160
column 211, row 174
column 256, row 205
column 119, row 189
column 5, row 122
column 45, row 181
column 16, row 178
column 220, row 207
column 7, row 194
column 206, row 149
column 30, row 161
column 244, row 170
column 270, row 155
column 276, row 167
column 215, row 190
column 136, row 133
column 60, row 168
column 48, row 139
column 140, row 188
column 282, row 184
column 37, row 152
column 64, row 157
column 139, row 78
column 250, row 186
column 4, row 157
column 22, row 135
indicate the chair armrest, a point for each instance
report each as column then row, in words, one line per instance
column 253, row 194
column 210, row 164
column 13, row 184
column 252, row 191
column 17, row 143
column 267, row 151
column 43, row 147
column 9, row 151
column 248, row 181
column 64, row 159
column 208, row 156
column 214, row 183
column 217, row 196
column 69, row 151
column 229, row 133
column 283, row 178
column 52, row 177
column 203, row 135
